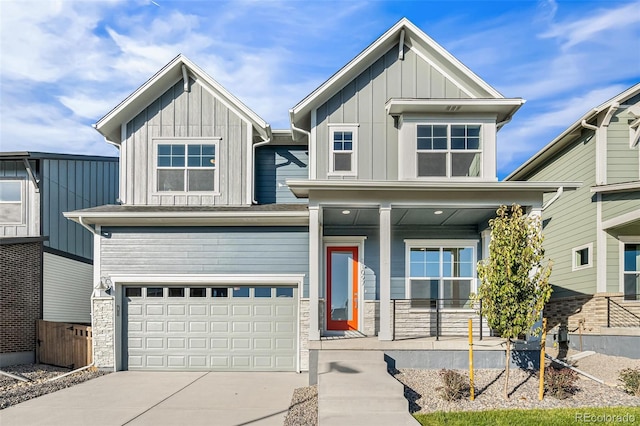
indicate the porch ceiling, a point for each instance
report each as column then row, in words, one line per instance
column 338, row 216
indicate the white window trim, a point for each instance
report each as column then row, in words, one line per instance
column 22, row 202
column 344, row 127
column 185, row 141
column 449, row 150
column 409, row 244
column 575, row 250
column 624, row 239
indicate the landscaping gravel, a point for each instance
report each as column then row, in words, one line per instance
column 14, row 391
column 421, row 390
column 303, row 409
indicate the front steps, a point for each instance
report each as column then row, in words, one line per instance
column 355, row 388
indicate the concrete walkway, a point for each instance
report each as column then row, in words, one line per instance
column 164, row 398
column 354, row 388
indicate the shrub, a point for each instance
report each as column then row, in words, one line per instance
column 630, row 378
column 454, row 385
column 559, row 382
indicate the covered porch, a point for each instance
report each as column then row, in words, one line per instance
column 396, row 261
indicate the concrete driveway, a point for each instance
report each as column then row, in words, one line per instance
column 164, row 398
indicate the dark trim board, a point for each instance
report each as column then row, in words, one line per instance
column 21, row 240
column 67, row 255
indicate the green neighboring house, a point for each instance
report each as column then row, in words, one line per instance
column 593, row 234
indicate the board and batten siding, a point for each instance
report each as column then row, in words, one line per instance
column 276, row 164
column 570, row 221
column 362, row 101
column 69, row 185
column 196, row 113
column 221, row 250
column 66, row 289
column 30, row 223
column 623, row 161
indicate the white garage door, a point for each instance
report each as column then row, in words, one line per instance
column 210, row 328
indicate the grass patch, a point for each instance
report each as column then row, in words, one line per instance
column 550, row 417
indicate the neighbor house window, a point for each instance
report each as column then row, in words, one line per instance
column 10, row 202
column 187, row 167
column 631, row 279
column 582, row 257
column 440, row 272
column 448, row 150
column 343, row 150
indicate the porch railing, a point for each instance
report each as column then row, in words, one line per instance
column 428, row 317
column 619, row 315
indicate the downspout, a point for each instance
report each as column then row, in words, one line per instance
column 298, row 129
column 81, row 222
column 185, row 78
column 253, row 166
column 586, row 125
column 555, row 197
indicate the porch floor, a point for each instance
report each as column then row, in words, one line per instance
column 420, row 343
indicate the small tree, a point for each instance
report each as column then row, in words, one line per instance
column 514, row 280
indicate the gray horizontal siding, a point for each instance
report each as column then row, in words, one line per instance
column 571, row 220
column 617, row 204
column 224, row 250
column 276, row 164
column 66, row 289
column 69, row 185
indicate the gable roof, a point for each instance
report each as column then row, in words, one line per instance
column 570, row 134
column 412, row 35
column 109, row 125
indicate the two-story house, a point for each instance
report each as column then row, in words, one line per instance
column 46, row 261
column 236, row 246
column 593, row 234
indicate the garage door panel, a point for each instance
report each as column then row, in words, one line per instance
column 197, row 310
column 154, row 309
column 176, row 310
column 176, row 343
column 212, row 331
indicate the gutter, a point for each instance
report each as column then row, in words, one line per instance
column 297, row 129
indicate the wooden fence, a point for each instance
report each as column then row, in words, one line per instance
column 63, row 344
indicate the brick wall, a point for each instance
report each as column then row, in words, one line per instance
column 20, row 278
column 590, row 312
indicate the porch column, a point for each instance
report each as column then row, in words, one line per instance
column 385, row 273
column 314, row 271
column 486, row 239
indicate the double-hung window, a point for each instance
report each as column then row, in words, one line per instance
column 631, row 273
column 187, row 167
column 11, row 202
column 448, row 150
column 440, row 272
column 342, row 152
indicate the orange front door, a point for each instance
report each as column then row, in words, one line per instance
column 342, row 288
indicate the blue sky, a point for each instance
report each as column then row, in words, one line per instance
column 64, row 64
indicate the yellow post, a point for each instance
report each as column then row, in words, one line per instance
column 473, row 391
column 542, row 348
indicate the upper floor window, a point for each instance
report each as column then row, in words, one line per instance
column 10, row 202
column 448, row 150
column 186, row 167
column 342, row 153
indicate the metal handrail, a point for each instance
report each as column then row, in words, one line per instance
column 636, row 297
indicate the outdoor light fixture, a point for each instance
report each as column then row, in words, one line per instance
column 438, row 212
column 105, row 285
column 346, row 211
